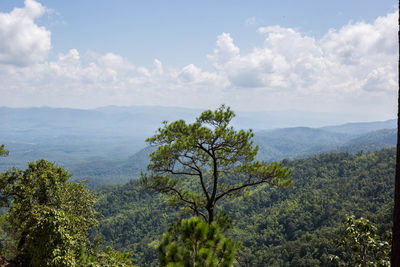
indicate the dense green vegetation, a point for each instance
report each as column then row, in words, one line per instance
column 361, row 244
column 298, row 226
column 193, row 242
column 305, row 221
column 290, row 227
column 48, row 219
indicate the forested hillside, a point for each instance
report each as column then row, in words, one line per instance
column 199, row 133
column 285, row 221
column 273, row 145
column 297, row 226
column 275, row 223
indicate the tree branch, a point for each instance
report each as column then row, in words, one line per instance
column 192, row 205
column 215, row 175
column 200, row 173
column 238, row 188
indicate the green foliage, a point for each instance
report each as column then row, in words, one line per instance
column 192, row 242
column 3, row 151
column 131, row 213
column 296, row 227
column 195, row 163
column 50, row 238
column 49, row 218
column 108, row 257
column 328, row 187
column 361, row 244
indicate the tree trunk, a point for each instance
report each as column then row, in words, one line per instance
column 395, row 260
column 210, row 214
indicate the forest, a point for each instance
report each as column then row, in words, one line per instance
column 199, row 133
column 297, row 226
column 210, row 197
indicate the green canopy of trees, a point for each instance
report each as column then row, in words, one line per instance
column 192, row 242
column 296, row 226
column 362, row 245
column 48, row 219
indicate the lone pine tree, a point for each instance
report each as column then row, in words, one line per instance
column 200, row 163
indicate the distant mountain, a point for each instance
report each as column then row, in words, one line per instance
column 291, row 143
column 72, row 136
column 294, row 142
column 301, row 141
column 380, row 137
column 113, row 172
column 370, row 142
column 359, row 128
column 97, row 143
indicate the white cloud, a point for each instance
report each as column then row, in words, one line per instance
column 225, row 51
column 192, row 75
column 352, row 69
column 22, row 42
column 159, row 67
column 356, row 43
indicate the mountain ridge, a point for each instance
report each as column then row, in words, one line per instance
column 108, row 136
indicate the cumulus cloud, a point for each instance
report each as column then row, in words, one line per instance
column 105, row 79
column 22, row 41
column 354, row 64
column 225, row 51
column 351, row 69
column 360, row 42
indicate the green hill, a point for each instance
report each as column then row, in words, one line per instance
column 112, row 172
column 278, row 144
column 278, row 227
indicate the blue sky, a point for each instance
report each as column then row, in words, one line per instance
column 184, row 31
column 334, row 56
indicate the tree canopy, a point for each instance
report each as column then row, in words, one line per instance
column 296, row 227
column 361, row 244
column 192, row 242
column 199, row 163
column 48, row 219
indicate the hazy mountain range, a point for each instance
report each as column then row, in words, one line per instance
column 107, row 144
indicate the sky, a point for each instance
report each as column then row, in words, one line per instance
column 321, row 56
